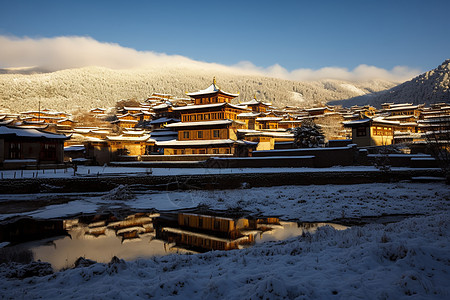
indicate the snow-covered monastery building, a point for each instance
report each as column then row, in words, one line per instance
column 209, row 126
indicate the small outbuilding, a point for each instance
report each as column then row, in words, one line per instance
column 21, row 147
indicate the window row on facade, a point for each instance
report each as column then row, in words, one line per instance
column 209, row 100
column 205, row 134
column 209, row 116
column 221, row 150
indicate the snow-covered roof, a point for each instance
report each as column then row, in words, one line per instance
column 100, row 131
column 85, row 129
column 201, row 123
column 382, row 120
column 399, row 117
column 44, row 112
column 6, row 122
column 161, row 106
column 160, row 94
column 124, row 121
column 40, row 127
column 212, row 89
column 135, row 108
column 318, row 108
column 397, row 104
column 133, row 132
column 196, row 142
column 94, row 139
column 278, row 134
column 291, row 121
column 405, row 107
column 144, row 138
column 357, row 122
column 65, row 119
column 163, row 120
column 268, row 119
column 187, row 107
column 248, row 131
column 408, row 124
column 123, row 115
column 248, row 114
column 30, row 133
column 74, row 148
column 254, row 102
column 212, row 105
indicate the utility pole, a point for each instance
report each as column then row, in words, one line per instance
column 39, row 111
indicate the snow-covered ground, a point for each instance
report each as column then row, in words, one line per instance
column 410, row 258
column 83, row 171
column 303, row 203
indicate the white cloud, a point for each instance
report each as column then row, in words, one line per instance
column 74, row 51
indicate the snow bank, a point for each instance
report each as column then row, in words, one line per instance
column 306, row 203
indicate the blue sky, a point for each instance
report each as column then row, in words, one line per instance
column 292, row 34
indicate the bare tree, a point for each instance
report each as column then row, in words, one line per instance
column 438, row 143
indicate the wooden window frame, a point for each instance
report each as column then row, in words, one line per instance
column 361, row 131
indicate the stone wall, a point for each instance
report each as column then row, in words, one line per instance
column 211, row 181
column 323, row 157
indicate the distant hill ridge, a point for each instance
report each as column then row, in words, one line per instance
column 101, row 87
column 430, row 87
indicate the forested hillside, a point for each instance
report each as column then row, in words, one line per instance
column 100, row 87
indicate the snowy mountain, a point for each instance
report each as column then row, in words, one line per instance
column 101, row 87
column 430, row 87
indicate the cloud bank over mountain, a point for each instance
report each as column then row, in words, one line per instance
column 67, row 52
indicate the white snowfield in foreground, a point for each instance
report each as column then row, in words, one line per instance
column 401, row 260
column 397, row 261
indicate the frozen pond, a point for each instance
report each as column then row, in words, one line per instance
column 143, row 235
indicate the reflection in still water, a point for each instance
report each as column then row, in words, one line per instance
column 145, row 235
column 100, row 240
column 200, row 232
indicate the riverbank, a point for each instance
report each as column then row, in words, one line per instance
column 100, row 179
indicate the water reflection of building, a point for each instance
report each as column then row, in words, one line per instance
column 132, row 227
column 201, row 232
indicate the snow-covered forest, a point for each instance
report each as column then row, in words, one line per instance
column 101, row 87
